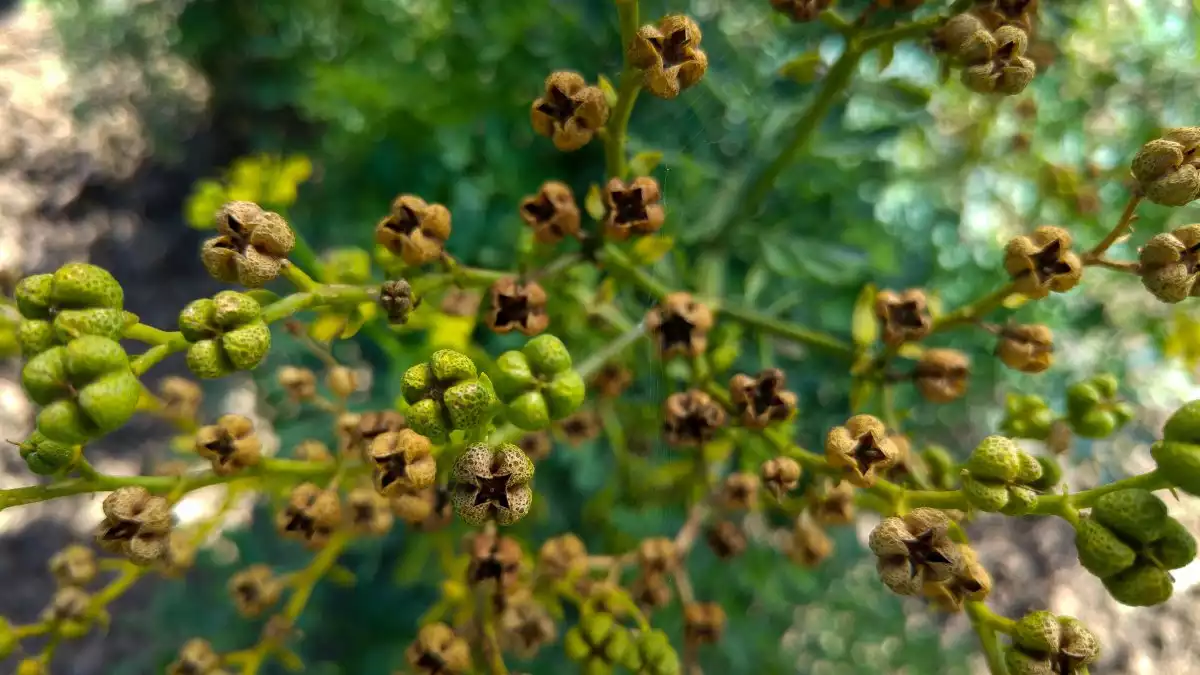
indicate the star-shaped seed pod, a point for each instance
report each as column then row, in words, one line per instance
column 86, row 389
column 650, row 592
column 1058, row 645
column 552, row 213
column 494, row 559
column 808, row 545
column 537, row 384
column 691, row 418
column 1028, row 348
column 942, row 375
column 762, row 400
column 300, row 384
column 251, row 247
column 562, row 556
column 611, row 380
column 255, row 590
column 536, row 445
column 226, row 333
column 781, row 475
column 369, row 512
column 1043, row 262
column 427, row 509
column 669, row 54
column 833, row 505
column 581, row 427
column 311, row 515
column 1170, row 264
column 657, row 555
column 414, row 230
column 181, row 397
column 492, row 483
column 597, row 642
column 230, row 445
column 861, row 449
column 1008, row 72
column 438, row 650
column 970, row 582
column 914, row 549
column 739, row 492
column 703, row 623
column 801, row 11
column 68, row 607
column 519, row 306
column 402, row 459
column 76, row 300
column 196, row 657
column 525, row 627
column 446, row 393
column 904, row 317
column 75, row 565
column 726, row 539
column 397, row 300
column 569, row 112
column 679, row 326
column 136, row 525
column 632, row 208
column 1166, row 168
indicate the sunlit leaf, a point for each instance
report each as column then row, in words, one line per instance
column 328, row 326
column 1015, row 300
column 610, row 92
column 651, row 249
column 805, row 69
column 644, row 163
column 864, row 324
column 594, row 203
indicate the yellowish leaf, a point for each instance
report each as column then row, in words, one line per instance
column 328, row 326
column 651, row 249
column 933, row 301
column 606, row 292
column 610, row 92
column 357, row 319
column 451, row 332
column 911, row 350
column 805, row 69
column 594, row 203
column 864, row 324
column 1015, row 300
column 644, row 163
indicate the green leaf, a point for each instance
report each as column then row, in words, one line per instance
column 644, row 163
column 799, row 257
column 651, row 249
column 886, row 53
column 610, row 92
column 594, row 203
column 906, row 92
column 756, row 283
column 328, row 326
column 1015, row 300
column 864, row 327
column 805, row 69
column 860, row 394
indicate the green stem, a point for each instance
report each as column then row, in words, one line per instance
column 786, row 330
column 1056, row 504
column 616, row 259
column 610, row 351
column 982, row 621
column 148, row 334
column 617, row 129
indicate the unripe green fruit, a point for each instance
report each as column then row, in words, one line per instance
column 1135, row 515
column 1095, row 423
column 575, row 646
column 1106, row 384
column 72, row 323
column 35, row 336
column 1038, row 631
column 513, row 374
column 1051, row 474
column 44, row 376
column 1081, row 397
column 33, row 296
column 46, row 457
column 1123, row 413
column 10, row 345
column 109, row 401
column 996, row 458
column 81, row 285
column 547, row 355
column 247, row 346
column 197, row 320
column 597, row 667
column 91, row 356
column 207, row 360
column 1178, row 463
column 448, row 365
column 467, row 404
column 425, row 418
column 1020, row 663
column 529, row 412
column 73, row 630
column 1175, row 548
column 1030, row 470
column 1101, row 552
column 64, row 421
column 415, row 382
column 565, row 394
column 1020, row 500
column 1142, row 585
column 232, row 309
column 1184, row 424
column 984, row 495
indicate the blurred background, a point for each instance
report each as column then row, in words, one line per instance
column 120, row 118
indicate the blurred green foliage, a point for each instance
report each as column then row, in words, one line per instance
column 908, row 183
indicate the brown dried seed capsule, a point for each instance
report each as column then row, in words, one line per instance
column 492, row 483
column 612, row 380
column 970, row 581
column 904, row 317
column 397, row 300
column 75, row 565
column 801, row 11
column 809, row 545
column 942, row 375
column 1170, row 263
column 414, row 505
column 136, row 525
column 300, row 384
column 438, row 650
column 68, row 605
column 632, row 208
column 524, row 628
column 762, row 400
column 1027, row 348
column 414, row 230
column 739, row 492
column 370, row 425
column 342, row 381
column 914, row 549
column 251, row 247
column 562, row 556
column 536, row 445
column 493, row 558
column 861, row 449
column 369, row 512
column 908, row 464
column 780, row 475
column 1043, row 262
column 691, row 418
column 669, row 54
column 461, row 302
column 833, row 505
column 581, row 427
column 402, row 458
column 255, row 590
column 230, row 445
column 552, row 213
column 311, row 515
column 680, row 325
column 180, row 555
column 569, row 112
column 657, row 555
column 181, row 398
column 650, row 592
column 196, row 658
column 1015, row 75
column 726, row 539
column 312, row 450
column 518, row 306
column 703, row 623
